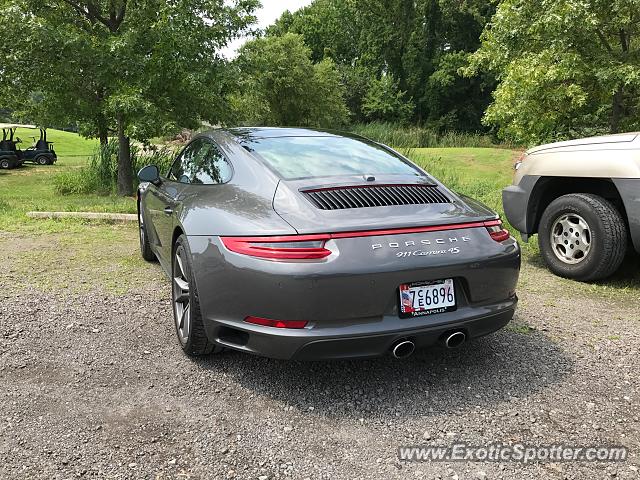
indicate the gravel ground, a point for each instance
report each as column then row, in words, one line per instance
column 93, row 384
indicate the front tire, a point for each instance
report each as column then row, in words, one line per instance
column 145, row 246
column 186, row 304
column 582, row 237
column 42, row 160
column 5, row 164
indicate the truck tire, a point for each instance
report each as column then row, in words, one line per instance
column 582, row 237
column 4, row 163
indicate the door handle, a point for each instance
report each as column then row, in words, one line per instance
column 168, row 211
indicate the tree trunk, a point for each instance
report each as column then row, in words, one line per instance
column 125, row 168
column 617, row 110
column 102, row 129
column 103, row 135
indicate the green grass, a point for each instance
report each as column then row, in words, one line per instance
column 66, row 144
column 403, row 136
column 471, row 164
column 101, row 256
column 520, row 328
column 30, row 188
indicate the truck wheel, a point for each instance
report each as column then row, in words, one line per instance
column 4, row 164
column 582, row 237
column 42, row 160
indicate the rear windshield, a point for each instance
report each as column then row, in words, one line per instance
column 304, row 157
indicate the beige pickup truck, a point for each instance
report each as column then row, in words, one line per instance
column 582, row 198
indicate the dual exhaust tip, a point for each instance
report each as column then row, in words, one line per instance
column 455, row 339
column 405, row 348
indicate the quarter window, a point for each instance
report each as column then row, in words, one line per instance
column 202, row 163
column 208, row 166
column 180, row 169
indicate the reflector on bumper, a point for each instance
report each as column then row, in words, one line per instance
column 266, row 322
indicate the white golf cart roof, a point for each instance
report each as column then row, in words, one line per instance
column 16, row 125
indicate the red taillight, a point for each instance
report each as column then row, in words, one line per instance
column 496, row 231
column 266, row 322
column 299, row 247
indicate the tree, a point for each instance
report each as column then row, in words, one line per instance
column 566, row 68
column 133, row 68
column 280, row 85
column 421, row 44
column 329, row 28
column 385, row 102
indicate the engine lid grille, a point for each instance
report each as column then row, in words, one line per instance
column 366, row 196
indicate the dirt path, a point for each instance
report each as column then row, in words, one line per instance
column 93, row 385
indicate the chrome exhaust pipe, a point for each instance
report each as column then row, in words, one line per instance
column 455, row 339
column 403, row 349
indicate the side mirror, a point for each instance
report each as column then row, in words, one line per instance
column 150, row 174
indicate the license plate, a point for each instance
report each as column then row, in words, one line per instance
column 427, row 298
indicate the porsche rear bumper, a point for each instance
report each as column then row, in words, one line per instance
column 341, row 343
column 351, row 300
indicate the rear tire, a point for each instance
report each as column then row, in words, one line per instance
column 5, row 164
column 186, row 304
column 582, row 237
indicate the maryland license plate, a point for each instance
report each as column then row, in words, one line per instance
column 427, row 298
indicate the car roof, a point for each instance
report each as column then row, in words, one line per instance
column 244, row 136
column 249, row 133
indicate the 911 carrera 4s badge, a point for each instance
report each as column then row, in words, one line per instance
column 428, row 253
column 427, row 298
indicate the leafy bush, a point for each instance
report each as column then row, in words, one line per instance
column 100, row 176
column 385, row 101
column 79, row 181
column 402, row 136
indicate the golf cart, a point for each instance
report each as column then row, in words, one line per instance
column 8, row 154
column 41, row 152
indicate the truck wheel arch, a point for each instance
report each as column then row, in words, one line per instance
column 547, row 189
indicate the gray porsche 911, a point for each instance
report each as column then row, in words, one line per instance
column 305, row 244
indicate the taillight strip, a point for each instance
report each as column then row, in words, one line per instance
column 362, row 233
column 400, row 231
column 280, row 239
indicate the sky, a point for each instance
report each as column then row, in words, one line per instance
column 269, row 13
